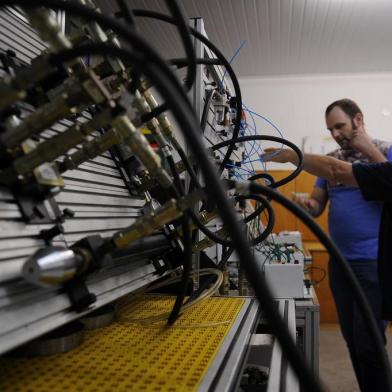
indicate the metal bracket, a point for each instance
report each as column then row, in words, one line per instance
column 33, row 208
column 79, row 295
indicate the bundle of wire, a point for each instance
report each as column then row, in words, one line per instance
column 126, row 302
column 148, row 63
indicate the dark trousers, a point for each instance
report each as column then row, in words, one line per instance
column 354, row 329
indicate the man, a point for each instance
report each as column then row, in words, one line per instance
column 353, row 225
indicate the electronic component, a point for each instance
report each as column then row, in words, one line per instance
column 286, row 280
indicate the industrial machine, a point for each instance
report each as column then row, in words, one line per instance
column 121, row 190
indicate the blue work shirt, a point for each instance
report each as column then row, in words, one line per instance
column 353, row 222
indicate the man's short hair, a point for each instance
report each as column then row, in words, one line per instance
column 347, row 105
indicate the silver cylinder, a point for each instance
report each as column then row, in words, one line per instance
column 51, row 266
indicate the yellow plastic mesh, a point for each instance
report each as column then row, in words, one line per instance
column 130, row 356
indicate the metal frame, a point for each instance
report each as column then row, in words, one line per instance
column 34, row 312
column 196, row 95
column 308, row 324
column 266, row 352
column 103, row 204
column 281, row 375
column 224, row 374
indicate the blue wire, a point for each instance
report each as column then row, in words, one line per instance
column 232, row 59
column 251, row 112
column 251, row 164
column 254, row 151
column 266, row 120
column 254, row 129
column 238, row 168
column 254, row 143
column 256, row 147
column 247, row 158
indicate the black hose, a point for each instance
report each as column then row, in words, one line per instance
column 185, row 34
column 226, row 64
column 179, row 189
column 206, row 109
column 184, row 30
column 242, row 139
column 189, row 168
column 186, row 272
column 187, row 243
column 203, row 122
column 264, row 176
column 351, row 279
column 171, row 91
column 126, row 12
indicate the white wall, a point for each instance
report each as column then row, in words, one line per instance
column 297, row 104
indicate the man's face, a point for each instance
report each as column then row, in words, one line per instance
column 341, row 127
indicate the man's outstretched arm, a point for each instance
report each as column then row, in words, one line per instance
column 332, row 169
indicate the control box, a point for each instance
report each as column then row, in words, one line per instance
column 286, row 280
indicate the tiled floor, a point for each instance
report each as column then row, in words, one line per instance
column 335, row 367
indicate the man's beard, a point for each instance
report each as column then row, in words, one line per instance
column 344, row 144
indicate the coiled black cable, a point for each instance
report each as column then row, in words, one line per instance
column 264, row 176
column 242, row 139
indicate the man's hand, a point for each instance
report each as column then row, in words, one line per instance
column 280, row 155
column 307, row 203
column 360, row 140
